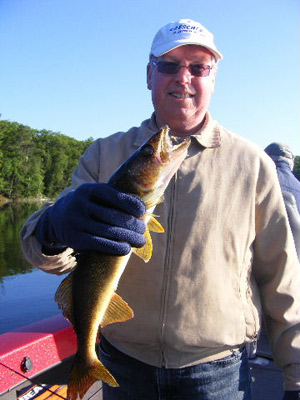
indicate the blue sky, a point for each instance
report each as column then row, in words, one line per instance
column 79, row 66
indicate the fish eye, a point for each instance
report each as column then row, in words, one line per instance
column 147, row 150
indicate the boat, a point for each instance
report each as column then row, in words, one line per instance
column 35, row 361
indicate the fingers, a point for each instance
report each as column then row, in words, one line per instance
column 93, row 229
column 94, row 243
column 116, row 218
column 104, row 194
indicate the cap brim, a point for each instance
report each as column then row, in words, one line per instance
column 161, row 50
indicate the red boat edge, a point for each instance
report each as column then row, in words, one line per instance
column 33, row 349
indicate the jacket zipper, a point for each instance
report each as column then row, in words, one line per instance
column 167, row 266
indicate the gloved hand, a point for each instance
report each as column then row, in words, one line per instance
column 291, row 395
column 93, row 217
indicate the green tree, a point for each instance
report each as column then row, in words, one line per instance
column 60, row 155
column 21, row 174
column 36, row 163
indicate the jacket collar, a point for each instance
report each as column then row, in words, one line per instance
column 146, row 130
column 209, row 135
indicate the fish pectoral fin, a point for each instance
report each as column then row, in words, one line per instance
column 161, row 199
column 146, row 251
column 117, row 311
column 155, row 202
column 154, row 226
column 64, row 298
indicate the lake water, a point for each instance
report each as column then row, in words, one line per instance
column 26, row 293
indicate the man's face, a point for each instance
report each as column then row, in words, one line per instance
column 181, row 100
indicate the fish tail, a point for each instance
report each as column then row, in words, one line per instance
column 83, row 376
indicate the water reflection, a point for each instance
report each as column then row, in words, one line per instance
column 26, row 293
column 27, row 298
column 12, row 216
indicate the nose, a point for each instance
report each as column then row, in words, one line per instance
column 183, row 76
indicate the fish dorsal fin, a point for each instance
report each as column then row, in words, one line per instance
column 117, row 311
column 64, row 298
column 145, row 252
column 154, row 226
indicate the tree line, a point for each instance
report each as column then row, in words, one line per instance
column 36, row 164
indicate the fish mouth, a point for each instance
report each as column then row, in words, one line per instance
column 170, row 153
column 171, row 147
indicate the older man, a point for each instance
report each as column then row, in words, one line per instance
column 227, row 253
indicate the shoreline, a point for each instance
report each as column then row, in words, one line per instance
column 4, row 200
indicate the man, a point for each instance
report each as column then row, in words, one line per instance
column 227, row 247
column 283, row 158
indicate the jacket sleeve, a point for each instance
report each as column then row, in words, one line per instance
column 86, row 171
column 294, row 218
column 277, row 272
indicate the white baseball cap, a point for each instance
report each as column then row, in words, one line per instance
column 182, row 32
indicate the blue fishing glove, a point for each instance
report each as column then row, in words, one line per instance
column 291, row 395
column 93, row 217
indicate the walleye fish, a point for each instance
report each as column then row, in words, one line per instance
column 87, row 295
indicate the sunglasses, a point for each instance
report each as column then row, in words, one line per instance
column 171, row 68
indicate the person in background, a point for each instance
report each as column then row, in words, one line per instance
column 227, row 252
column 283, row 158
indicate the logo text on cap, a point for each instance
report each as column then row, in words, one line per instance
column 185, row 28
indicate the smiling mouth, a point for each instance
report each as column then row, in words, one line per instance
column 181, row 95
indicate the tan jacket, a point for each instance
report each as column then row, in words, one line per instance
column 227, row 250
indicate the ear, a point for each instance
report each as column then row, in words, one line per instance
column 149, row 76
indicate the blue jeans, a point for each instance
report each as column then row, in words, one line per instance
column 224, row 379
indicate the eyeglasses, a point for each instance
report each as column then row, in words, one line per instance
column 171, row 68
